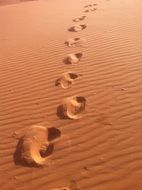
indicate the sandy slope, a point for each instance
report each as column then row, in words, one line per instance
column 101, row 151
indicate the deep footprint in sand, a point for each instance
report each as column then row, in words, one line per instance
column 73, row 58
column 77, row 28
column 79, row 18
column 75, row 42
column 72, row 107
column 66, row 80
column 33, row 147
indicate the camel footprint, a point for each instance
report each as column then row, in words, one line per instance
column 67, row 79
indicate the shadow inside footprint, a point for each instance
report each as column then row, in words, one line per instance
column 17, row 153
column 48, row 151
column 60, row 112
column 53, row 133
column 74, row 76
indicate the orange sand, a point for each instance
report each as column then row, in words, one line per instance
column 102, row 150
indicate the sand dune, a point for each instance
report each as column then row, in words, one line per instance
column 103, row 149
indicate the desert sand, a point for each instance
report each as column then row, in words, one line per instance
column 98, row 146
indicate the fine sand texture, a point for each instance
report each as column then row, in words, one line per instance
column 99, row 142
column 8, row 2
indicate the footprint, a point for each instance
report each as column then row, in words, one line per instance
column 73, row 58
column 86, row 11
column 90, row 10
column 86, row 6
column 91, row 5
column 79, row 19
column 72, row 42
column 77, row 28
column 94, row 9
column 67, row 79
column 73, row 185
column 36, row 144
column 72, row 108
column 62, row 188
